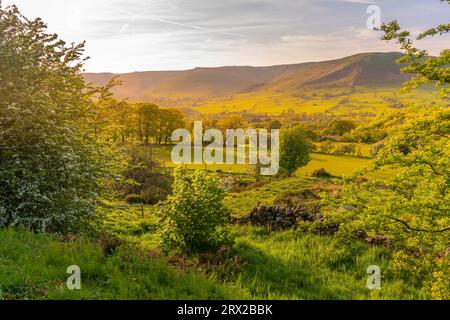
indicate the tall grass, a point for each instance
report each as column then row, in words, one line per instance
column 285, row 265
column 33, row 266
column 291, row 265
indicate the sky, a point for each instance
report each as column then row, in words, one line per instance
column 140, row 35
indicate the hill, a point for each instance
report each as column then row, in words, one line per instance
column 190, row 87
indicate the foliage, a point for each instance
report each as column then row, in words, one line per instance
column 50, row 168
column 193, row 218
column 425, row 68
column 418, row 202
column 326, row 147
column 413, row 206
column 322, row 173
column 349, row 149
column 231, row 122
column 146, row 180
column 274, row 124
column 425, row 268
column 120, row 121
column 147, row 121
column 33, row 266
column 341, row 127
column 294, row 149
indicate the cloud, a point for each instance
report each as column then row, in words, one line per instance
column 359, row 1
column 133, row 16
column 133, row 35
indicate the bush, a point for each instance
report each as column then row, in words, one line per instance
column 51, row 168
column 151, row 196
column 147, row 181
column 327, row 147
column 348, row 149
column 193, row 218
column 341, row 127
column 322, row 173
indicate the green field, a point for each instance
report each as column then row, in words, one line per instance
column 334, row 101
column 335, row 164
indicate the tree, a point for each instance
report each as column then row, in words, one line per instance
column 294, row 149
column 424, row 67
column 170, row 120
column 121, row 118
column 341, row 127
column 418, row 145
column 193, row 218
column 148, row 115
column 210, row 123
column 99, row 114
column 146, row 181
column 274, row 124
column 349, row 149
column 413, row 206
column 231, row 122
column 51, row 168
column 327, row 147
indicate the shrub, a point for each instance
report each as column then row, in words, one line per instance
column 51, row 168
column 327, row 147
column 341, row 127
column 321, row 173
column 147, row 181
column 348, row 149
column 193, row 218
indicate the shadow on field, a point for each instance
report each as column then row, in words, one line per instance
column 269, row 277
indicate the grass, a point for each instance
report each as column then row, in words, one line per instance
column 277, row 265
column 290, row 265
column 241, row 203
column 34, row 267
column 333, row 101
column 284, row 265
column 335, row 164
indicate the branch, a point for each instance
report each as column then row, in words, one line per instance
column 441, row 134
column 417, row 229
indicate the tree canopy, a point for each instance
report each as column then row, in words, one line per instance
column 50, row 167
column 294, row 149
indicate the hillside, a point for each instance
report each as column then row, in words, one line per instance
column 371, row 69
column 196, row 86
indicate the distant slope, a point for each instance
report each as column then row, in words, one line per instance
column 192, row 87
column 367, row 69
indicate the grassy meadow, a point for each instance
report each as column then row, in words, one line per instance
column 285, row 265
column 338, row 165
column 330, row 101
column 263, row 264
